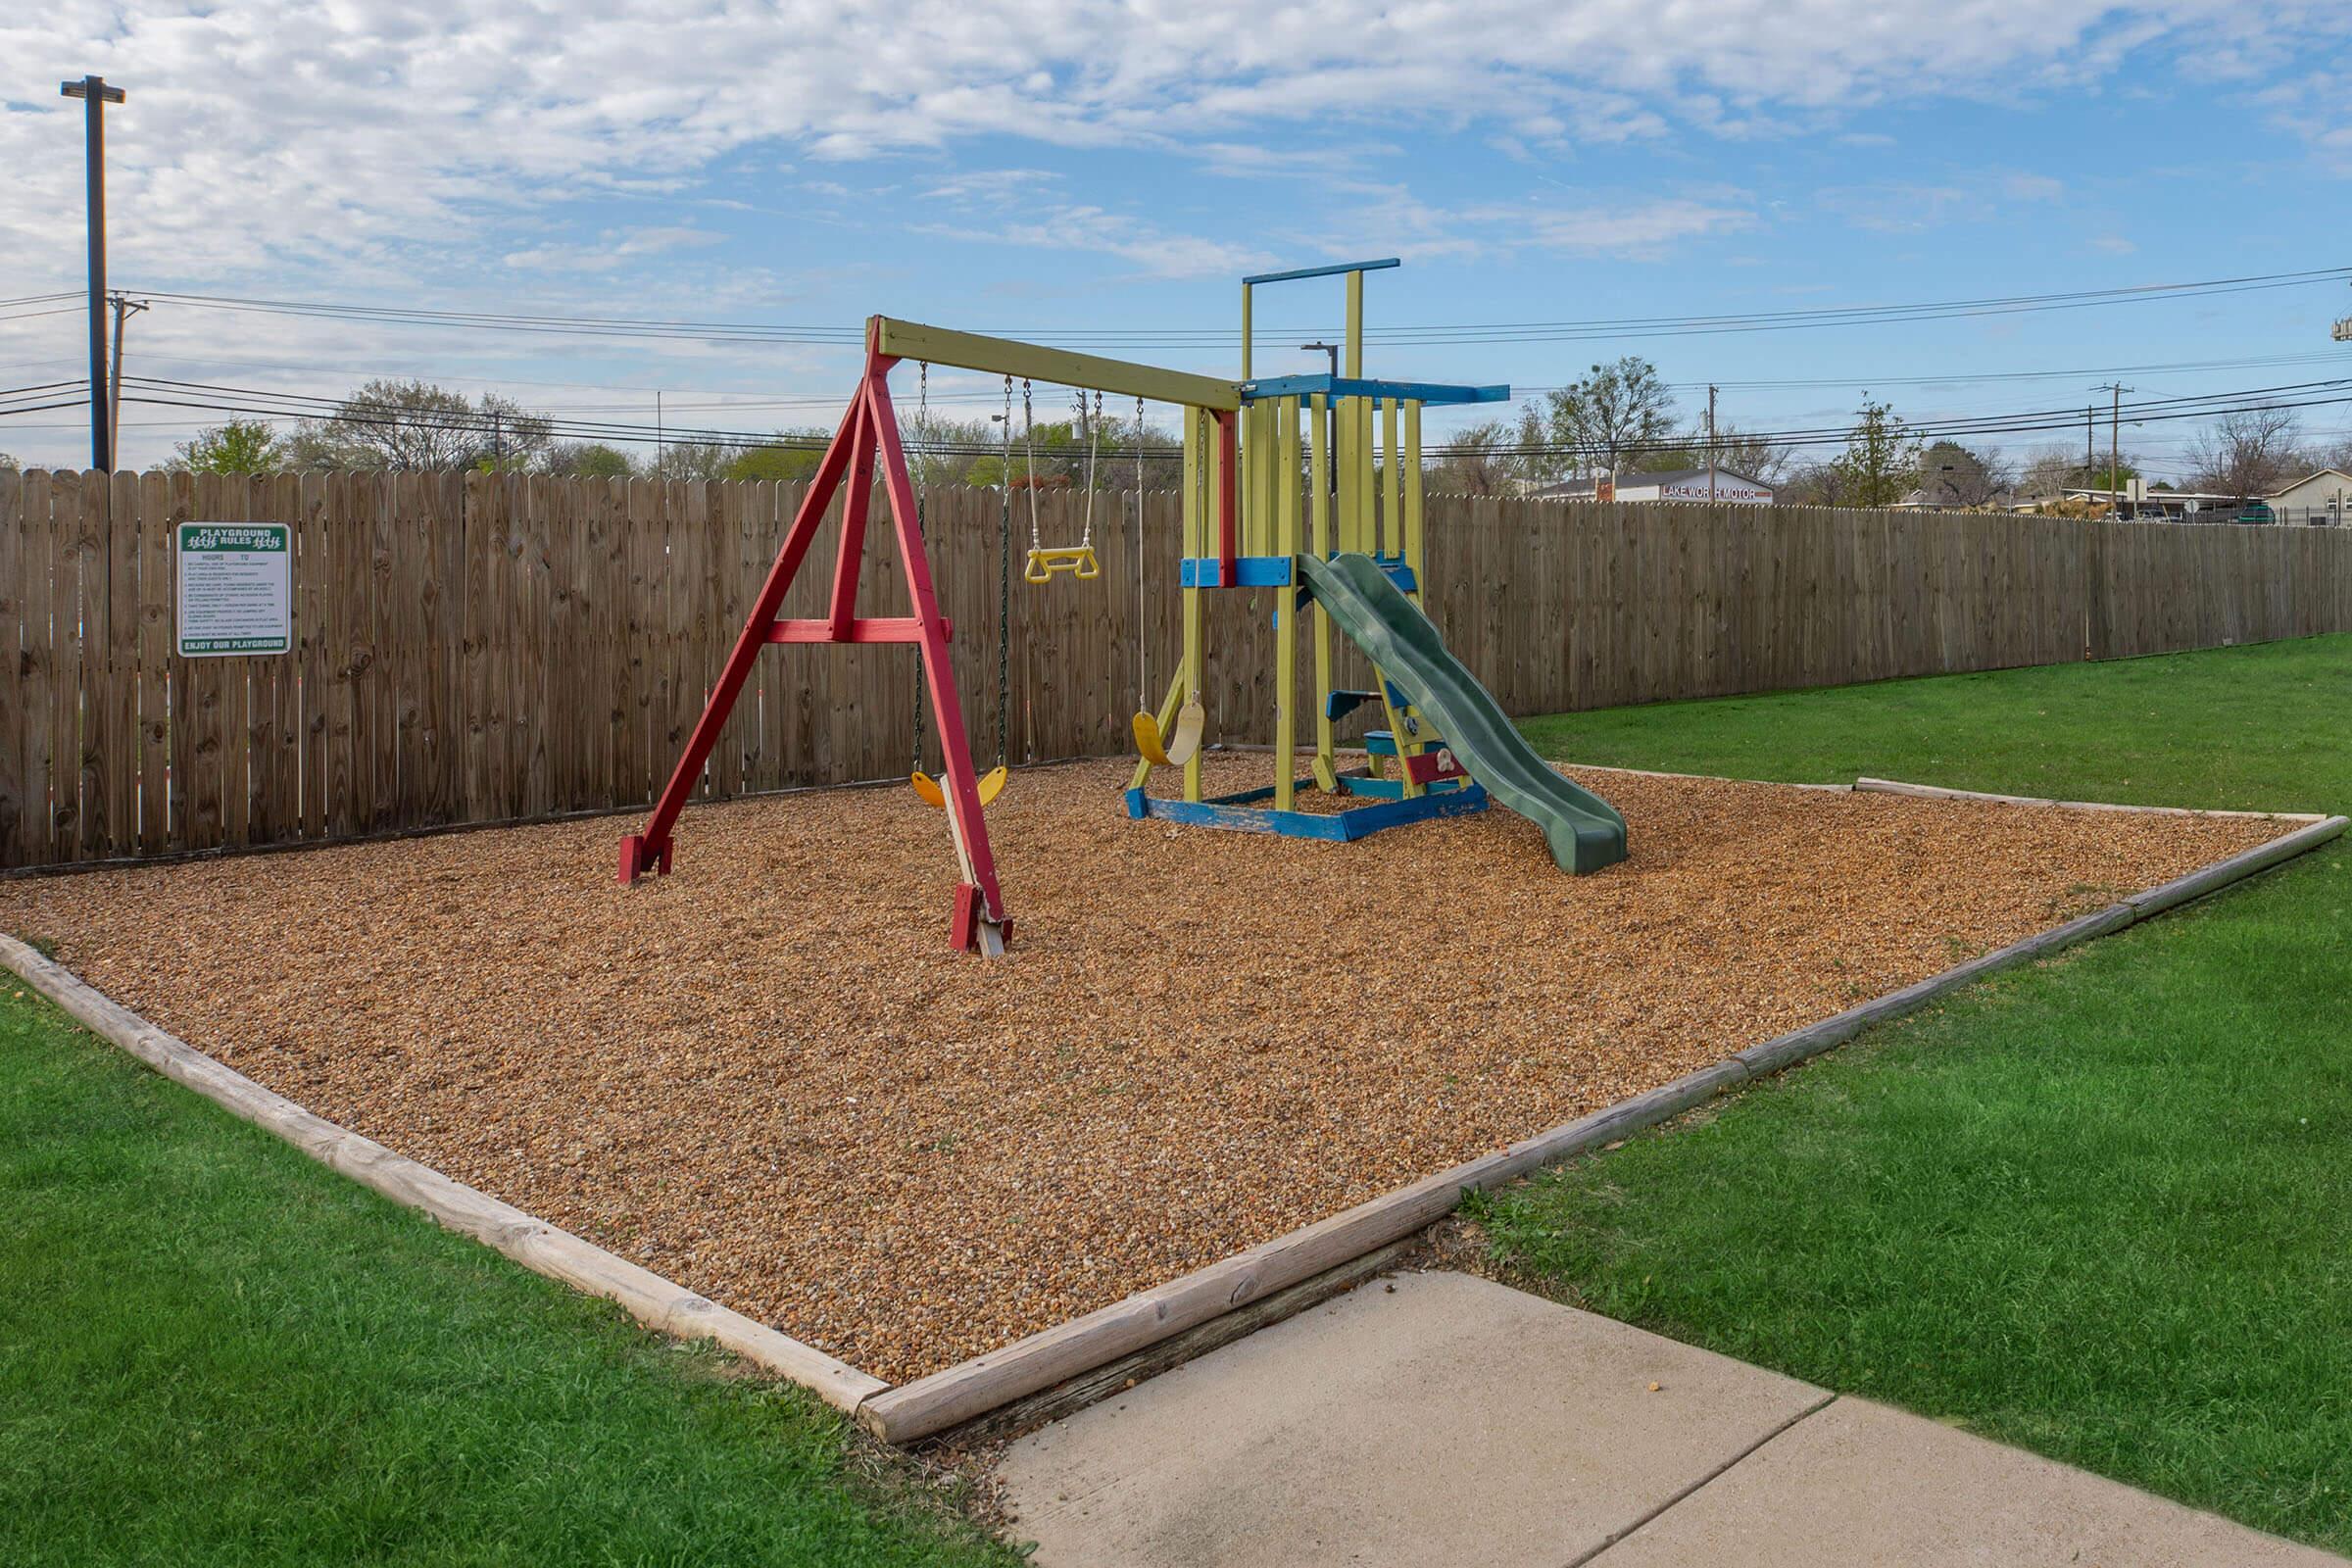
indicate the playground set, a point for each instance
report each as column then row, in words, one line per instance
column 1306, row 485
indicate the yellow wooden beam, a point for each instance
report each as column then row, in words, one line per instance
column 1414, row 514
column 1004, row 355
column 1318, row 510
column 1284, row 460
column 1208, row 465
column 1391, row 482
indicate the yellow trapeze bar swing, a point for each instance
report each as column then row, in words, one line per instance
column 1048, row 562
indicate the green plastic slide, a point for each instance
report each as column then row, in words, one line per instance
column 1585, row 831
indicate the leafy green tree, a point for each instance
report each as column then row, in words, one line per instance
column 780, row 463
column 1881, row 461
column 588, row 459
column 693, row 460
column 241, row 446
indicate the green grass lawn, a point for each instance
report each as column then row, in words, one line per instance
column 2100, row 1207
column 2259, row 728
column 214, row 1351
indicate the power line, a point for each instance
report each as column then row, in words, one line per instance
column 1195, row 338
column 280, row 405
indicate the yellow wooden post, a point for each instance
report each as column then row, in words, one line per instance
column 1318, row 502
column 1197, row 463
column 1264, row 461
column 1355, row 327
column 1414, row 514
column 1246, row 332
column 1364, row 475
column 1285, row 465
column 1392, row 481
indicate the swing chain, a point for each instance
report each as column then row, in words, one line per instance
column 1005, row 589
column 1142, row 666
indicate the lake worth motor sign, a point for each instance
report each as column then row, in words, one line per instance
column 236, row 588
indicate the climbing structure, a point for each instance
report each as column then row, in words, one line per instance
column 1307, row 486
column 1349, row 541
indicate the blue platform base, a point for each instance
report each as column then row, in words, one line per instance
column 1243, row 813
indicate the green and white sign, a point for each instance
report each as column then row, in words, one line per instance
column 236, row 588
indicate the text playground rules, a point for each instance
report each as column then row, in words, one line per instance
column 236, row 588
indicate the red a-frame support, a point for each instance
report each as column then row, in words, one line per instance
column 869, row 428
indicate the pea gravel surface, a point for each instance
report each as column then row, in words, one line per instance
column 767, row 1077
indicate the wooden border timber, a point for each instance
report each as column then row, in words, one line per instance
column 656, row 1302
column 1936, row 792
column 971, row 1389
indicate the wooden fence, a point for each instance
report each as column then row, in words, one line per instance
column 473, row 648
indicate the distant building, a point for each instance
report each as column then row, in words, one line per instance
column 2321, row 500
column 2136, row 502
column 1681, row 484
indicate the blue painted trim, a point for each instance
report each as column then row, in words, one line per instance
column 1393, row 789
column 1137, row 802
column 1297, row 272
column 1339, row 704
column 1234, row 812
column 1249, row 571
column 1428, row 393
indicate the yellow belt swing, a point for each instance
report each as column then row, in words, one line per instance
column 1154, row 742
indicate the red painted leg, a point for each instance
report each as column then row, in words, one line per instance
column 654, row 844
column 965, row 823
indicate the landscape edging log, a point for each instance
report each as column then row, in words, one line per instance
column 1937, row 791
column 959, row 1393
column 659, row 1303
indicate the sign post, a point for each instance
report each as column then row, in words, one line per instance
column 236, row 589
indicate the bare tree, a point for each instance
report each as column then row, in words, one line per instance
column 2249, row 453
column 1607, row 418
column 1952, row 475
column 1473, row 463
column 417, row 425
column 2048, row 471
column 1736, row 450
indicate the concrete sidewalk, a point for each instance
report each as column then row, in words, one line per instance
column 1441, row 1418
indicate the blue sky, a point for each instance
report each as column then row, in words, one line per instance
column 1059, row 168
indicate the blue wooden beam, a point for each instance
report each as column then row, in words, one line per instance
column 1295, row 273
column 1240, row 813
column 1428, row 393
column 1250, row 572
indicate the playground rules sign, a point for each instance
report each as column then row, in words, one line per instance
column 236, row 589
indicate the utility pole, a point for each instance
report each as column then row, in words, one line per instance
column 1710, row 443
column 124, row 309
column 2089, row 426
column 2114, row 459
column 96, row 95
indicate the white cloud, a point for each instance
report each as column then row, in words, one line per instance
column 374, row 134
column 615, row 248
column 1154, row 252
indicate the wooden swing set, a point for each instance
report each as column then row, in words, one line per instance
column 1306, row 485
column 868, row 438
